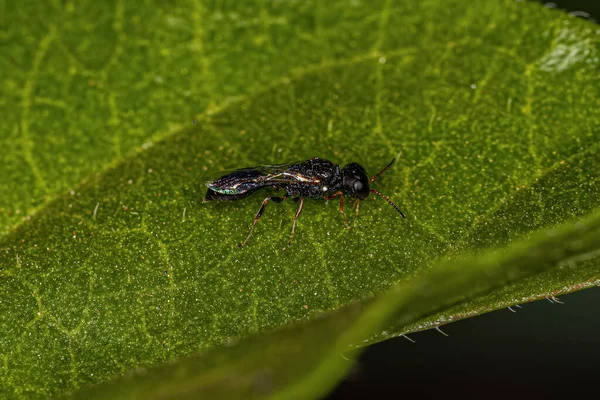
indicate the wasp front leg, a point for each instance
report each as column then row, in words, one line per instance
column 356, row 205
column 341, row 195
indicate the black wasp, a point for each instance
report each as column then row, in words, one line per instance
column 311, row 178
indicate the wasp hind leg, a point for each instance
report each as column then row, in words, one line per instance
column 260, row 212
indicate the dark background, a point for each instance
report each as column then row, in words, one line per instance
column 543, row 350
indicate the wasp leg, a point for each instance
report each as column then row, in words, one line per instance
column 260, row 212
column 356, row 205
column 336, row 194
column 296, row 219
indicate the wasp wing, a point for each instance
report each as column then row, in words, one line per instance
column 243, row 180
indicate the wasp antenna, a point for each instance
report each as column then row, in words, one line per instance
column 382, row 171
column 387, row 198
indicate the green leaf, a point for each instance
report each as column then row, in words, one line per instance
column 489, row 111
column 304, row 361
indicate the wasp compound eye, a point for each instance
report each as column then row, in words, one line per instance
column 361, row 190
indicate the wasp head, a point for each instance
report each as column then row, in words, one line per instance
column 355, row 182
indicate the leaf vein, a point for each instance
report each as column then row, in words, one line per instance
column 26, row 100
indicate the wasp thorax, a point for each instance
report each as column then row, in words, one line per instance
column 355, row 182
